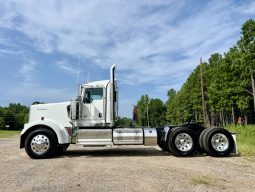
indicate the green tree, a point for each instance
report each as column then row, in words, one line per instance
column 170, row 94
column 186, row 104
column 14, row 116
column 247, row 47
column 142, row 109
column 124, row 122
column 229, row 88
column 171, row 106
column 157, row 113
column 2, row 122
column 10, row 120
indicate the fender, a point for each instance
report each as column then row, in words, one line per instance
column 59, row 130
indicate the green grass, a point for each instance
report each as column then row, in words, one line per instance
column 202, row 180
column 7, row 134
column 245, row 139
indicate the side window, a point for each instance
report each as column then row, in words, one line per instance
column 92, row 94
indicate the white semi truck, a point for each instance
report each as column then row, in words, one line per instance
column 89, row 120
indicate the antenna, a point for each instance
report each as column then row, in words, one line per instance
column 148, row 121
column 78, row 75
column 78, row 70
column 88, row 77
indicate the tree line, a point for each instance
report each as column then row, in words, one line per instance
column 13, row 117
column 218, row 92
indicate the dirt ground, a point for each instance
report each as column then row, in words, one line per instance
column 126, row 168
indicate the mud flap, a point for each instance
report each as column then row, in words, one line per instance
column 234, row 151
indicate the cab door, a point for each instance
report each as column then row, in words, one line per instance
column 93, row 106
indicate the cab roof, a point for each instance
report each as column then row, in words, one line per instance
column 102, row 83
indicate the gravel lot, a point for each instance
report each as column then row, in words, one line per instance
column 126, row 168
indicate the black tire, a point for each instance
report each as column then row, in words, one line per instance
column 167, row 140
column 187, row 136
column 37, row 150
column 61, row 148
column 218, row 142
column 162, row 145
column 201, row 138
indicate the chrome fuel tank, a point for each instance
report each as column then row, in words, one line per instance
column 135, row 136
column 128, row 136
column 94, row 137
column 150, row 136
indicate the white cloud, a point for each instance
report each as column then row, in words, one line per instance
column 10, row 52
column 6, row 42
column 157, row 42
column 67, row 67
column 28, row 71
column 34, row 92
column 8, row 47
column 27, row 88
column 250, row 9
column 27, row 93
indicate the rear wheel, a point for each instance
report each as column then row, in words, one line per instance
column 182, row 142
column 218, row 142
column 201, row 138
column 167, row 140
column 40, row 143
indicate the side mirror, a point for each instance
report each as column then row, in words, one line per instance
column 75, row 109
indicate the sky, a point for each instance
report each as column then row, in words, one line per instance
column 154, row 44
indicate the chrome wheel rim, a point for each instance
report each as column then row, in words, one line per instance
column 183, row 142
column 40, row 144
column 220, row 142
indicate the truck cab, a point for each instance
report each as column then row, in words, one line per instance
column 96, row 104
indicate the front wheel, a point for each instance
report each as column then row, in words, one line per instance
column 40, row 143
column 182, row 142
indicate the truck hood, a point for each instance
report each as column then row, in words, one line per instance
column 52, row 111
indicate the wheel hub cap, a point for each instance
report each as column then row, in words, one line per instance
column 220, row 142
column 40, row 144
column 183, row 142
